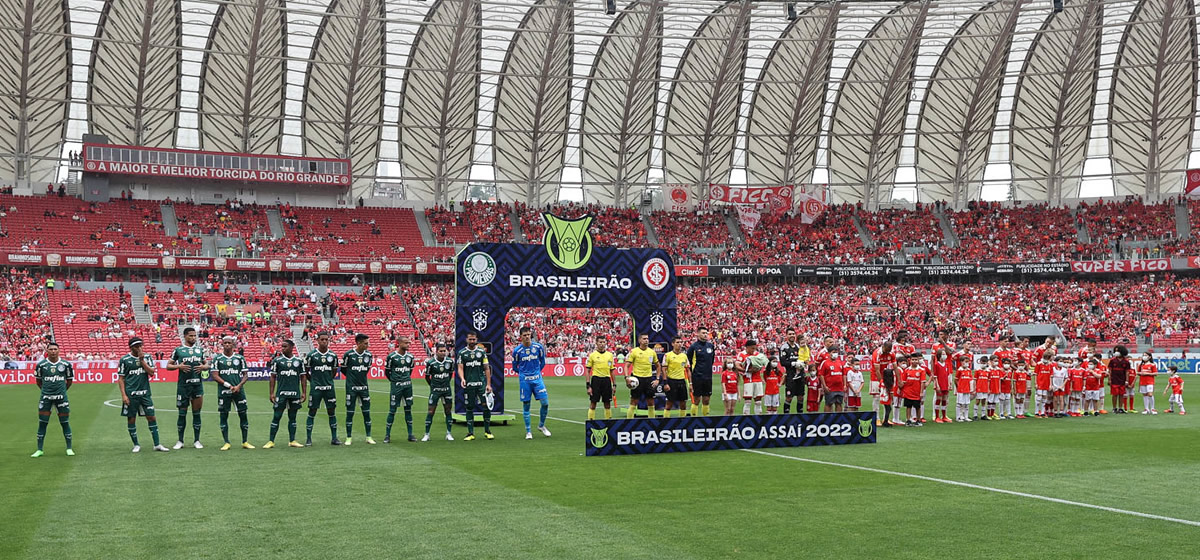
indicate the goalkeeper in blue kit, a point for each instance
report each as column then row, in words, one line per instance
column 529, row 357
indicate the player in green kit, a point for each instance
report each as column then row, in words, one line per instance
column 398, row 370
column 356, row 364
column 439, row 373
column 288, row 391
column 229, row 371
column 189, row 361
column 133, row 380
column 54, row 377
column 322, row 367
column 475, row 377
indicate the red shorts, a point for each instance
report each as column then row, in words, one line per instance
column 1061, row 393
column 854, row 401
column 941, row 392
column 1117, row 390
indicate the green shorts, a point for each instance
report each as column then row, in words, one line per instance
column 184, row 393
column 475, row 397
column 402, row 395
column 291, row 403
column 139, row 405
column 322, row 396
column 227, row 399
column 436, row 395
column 48, row 402
column 361, row 394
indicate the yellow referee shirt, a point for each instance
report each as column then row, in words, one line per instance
column 675, row 363
column 642, row 361
column 601, row 363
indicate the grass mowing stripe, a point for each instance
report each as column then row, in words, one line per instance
column 980, row 487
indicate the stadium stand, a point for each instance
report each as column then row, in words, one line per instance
column 358, row 233
column 680, row 234
column 832, row 238
column 613, row 227
column 1027, row 233
column 32, row 223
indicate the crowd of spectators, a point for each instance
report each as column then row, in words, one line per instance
column 679, row 234
column 612, row 227
column 491, row 221
column 233, row 218
column 831, row 238
column 989, row 231
column 893, row 229
column 24, row 317
column 449, row 226
column 126, row 226
column 1110, row 221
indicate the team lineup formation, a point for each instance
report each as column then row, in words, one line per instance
column 896, row 377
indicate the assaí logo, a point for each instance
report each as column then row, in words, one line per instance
column 568, row 242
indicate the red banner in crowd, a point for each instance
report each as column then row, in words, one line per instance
column 775, row 200
column 1193, row 182
column 1140, row 265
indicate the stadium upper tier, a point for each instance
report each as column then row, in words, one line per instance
column 846, row 234
column 1143, row 312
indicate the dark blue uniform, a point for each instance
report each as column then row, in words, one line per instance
column 701, row 356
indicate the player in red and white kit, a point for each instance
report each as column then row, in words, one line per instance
column 1175, row 386
column 1146, row 374
column 964, row 385
column 752, row 383
column 812, row 393
column 1043, row 373
column 882, row 359
column 982, row 376
column 1093, row 380
column 941, row 384
column 901, row 349
column 1020, row 385
column 729, row 387
column 772, row 378
column 1004, row 397
column 914, row 379
column 1075, row 376
column 995, row 375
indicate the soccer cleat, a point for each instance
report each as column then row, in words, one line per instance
column 545, row 431
column 136, row 449
column 1103, row 412
column 226, row 447
column 161, row 448
column 449, row 437
column 70, row 452
column 488, row 435
column 1182, row 413
column 1153, row 412
column 178, row 445
column 295, row 443
column 425, row 438
column 470, row 437
column 246, row 445
column 1145, row 412
column 347, row 442
column 269, row 445
column 387, row 439
column 308, row 443
column 1168, row 411
column 528, row 435
column 197, row 445
column 412, row 438
column 37, row 454
column 335, row 441
column 370, row 441
column 878, row 422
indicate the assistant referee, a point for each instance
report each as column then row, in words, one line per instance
column 642, row 361
column 599, row 371
column 701, row 355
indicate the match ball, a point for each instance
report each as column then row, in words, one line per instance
column 758, row 362
column 633, row 382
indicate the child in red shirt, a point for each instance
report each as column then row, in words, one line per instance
column 1175, row 386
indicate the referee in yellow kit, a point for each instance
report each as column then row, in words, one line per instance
column 599, row 371
column 674, row 372
column 642, row 361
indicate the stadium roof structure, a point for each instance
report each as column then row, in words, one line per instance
column 550, row 100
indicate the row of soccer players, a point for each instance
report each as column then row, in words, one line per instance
column 293, row 382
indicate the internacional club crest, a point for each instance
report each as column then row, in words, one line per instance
column 480, row 269
column 656, row 321
column 599, row 437
column 568, row 242
column 479, row 318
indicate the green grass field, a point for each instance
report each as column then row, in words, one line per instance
column 511, row 498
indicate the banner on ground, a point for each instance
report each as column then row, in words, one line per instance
column 711, row 433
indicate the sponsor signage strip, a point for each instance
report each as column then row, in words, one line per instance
column 711, row 433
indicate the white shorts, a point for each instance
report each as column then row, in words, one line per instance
column 1146, row 390
column 752, row 389
column 1176, row 399
column 1003, row 396
column 729, row 396
column 874, row 388
column 1076, row 395
column 992, row 398
column 771, row 400
column 964, row 398
column 1091, row 395
column 981, row 396
column 1043, row 394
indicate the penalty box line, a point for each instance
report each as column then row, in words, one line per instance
column 981, row 487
